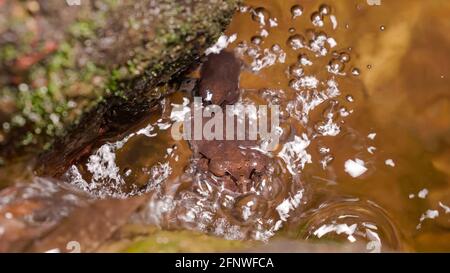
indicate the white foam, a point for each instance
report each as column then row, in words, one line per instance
column 355, row 167
column 181, row 111
column 372, row 136
column 429, row 214
column 305, row 61
column 263, row 61
column 446, row 208
column 338, row 229
column 158, row 173
column 329, row 128
column 221, row 44
column 273, row 22
column 308, row 100
column 374, row 244
column 318, row 45
column 332, row 42
column 422, row 194
column 389, row 162
column 334, row 21
column 294, row 154
column 288, row 205
column 147, row 131
column 264, row 33
column 53, row 250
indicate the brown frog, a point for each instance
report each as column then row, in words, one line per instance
column 220, row 78
column 219, row 84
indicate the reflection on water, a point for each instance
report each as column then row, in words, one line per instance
column 365, row 131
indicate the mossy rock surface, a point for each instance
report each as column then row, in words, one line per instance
column 148, row 239
column 64, row 65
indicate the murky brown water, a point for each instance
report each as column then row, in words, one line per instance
column 364, row 155
column 404, row 100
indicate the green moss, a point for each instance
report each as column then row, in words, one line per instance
column 8, row 53
column 83, row 29
column 44, row 109
column 179, row 241
column 40, row 110
column 114, row 86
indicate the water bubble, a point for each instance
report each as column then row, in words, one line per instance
column 243, row 8
column 324, row 150
column 294, row 84
column 304, row 60
column 273, row 22
column 252, row 52
column 296, row 41
column 351, row 220
column 296, row 71
column 329, row 111
column 296, row 11
column 291, row 30
column 247, row 207
column 344, row 112
column 327, row 128
column 336, row 66
column 260, row 15
column 324, row 9
column 344, row 57
column 317, row 19
column 382, row 28
column 256, row 40
column 327, row 160
column 369, row 66
column 355, row 72
column 264, row 33
column 276, row 48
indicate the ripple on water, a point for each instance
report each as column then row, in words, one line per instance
column 354, row 221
